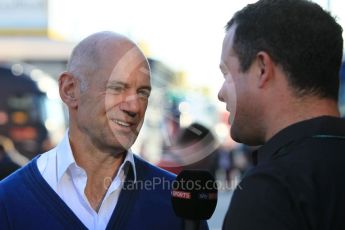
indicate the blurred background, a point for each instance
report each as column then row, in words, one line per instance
column 185, row 125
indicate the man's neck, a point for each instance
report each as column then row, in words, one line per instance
column 100, row 167
column 300, row 110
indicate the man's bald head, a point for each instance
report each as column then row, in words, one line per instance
column 106, row 88
column 93, row 53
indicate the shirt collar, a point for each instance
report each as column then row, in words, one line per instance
column 129, row 164
column 324, row 125
column 65, row 159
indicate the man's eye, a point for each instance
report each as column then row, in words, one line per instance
column 116, row 89
column 144, row 93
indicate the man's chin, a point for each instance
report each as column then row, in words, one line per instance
column 236, row 133
column 235, row 136
column 126, row 142
column 244, row 138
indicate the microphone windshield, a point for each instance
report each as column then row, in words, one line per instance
column 194, row 195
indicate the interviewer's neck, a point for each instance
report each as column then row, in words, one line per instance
column 299, row 110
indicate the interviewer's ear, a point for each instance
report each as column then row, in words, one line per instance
column 68, row 89
column 265, row 64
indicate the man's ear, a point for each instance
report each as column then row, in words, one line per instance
column 68, row 87
column 266, row 68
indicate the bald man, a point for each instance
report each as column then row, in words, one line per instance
column 92, row 180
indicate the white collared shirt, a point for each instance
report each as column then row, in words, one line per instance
column 68, row 180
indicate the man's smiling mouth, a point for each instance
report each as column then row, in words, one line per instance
column 122, row 123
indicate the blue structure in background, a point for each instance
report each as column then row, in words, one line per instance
column 342, row 90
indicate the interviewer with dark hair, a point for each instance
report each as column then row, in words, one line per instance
column 281, row 61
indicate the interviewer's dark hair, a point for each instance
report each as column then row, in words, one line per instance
column 298, row 35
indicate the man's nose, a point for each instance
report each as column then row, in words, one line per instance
column 130, row 105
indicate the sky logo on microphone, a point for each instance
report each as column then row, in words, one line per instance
column 208, row 196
